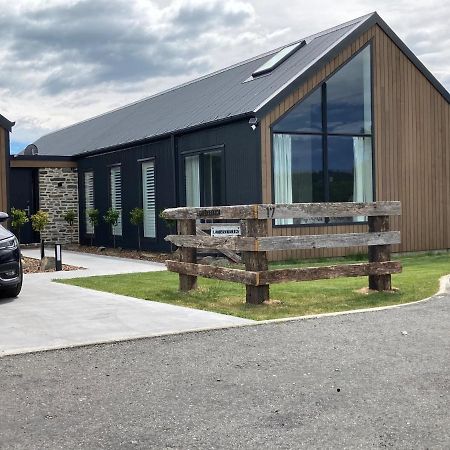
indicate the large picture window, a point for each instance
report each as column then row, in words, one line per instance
column 322, row 148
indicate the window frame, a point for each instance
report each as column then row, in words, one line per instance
column 111, row 168
column 325, row 136
column 201, row 152
column 141, row 162
column 84, row 208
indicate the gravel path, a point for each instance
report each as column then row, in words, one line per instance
column 348, row 381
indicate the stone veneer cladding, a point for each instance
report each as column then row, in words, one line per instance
column 58, row 193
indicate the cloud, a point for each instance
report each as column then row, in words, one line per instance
column 62, row 61
column 91, row 42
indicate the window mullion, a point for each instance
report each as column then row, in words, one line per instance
column 326, row 180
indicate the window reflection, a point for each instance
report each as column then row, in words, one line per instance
column 348, row 97
column 334, row 164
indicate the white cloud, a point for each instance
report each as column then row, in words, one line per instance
column 62, row 61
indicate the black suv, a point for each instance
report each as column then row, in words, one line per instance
column 10, row 262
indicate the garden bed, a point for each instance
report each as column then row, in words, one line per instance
column 32, row 265
column 120, row 253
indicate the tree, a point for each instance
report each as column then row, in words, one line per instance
column 38, row 222
column 112, row 218
column 137, row 218
column 70, row 217
column 18, row 220
column 94, row 219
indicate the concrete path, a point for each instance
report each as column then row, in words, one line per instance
column 50, row 315
column 354, row 381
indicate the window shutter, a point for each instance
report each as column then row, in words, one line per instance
column 116, row 197
column 149, row 198
column 88, row 199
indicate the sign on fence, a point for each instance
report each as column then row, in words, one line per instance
column 225, row 230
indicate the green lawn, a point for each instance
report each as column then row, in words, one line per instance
column 419, row 279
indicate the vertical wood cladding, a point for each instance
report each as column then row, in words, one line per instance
column 411, row 154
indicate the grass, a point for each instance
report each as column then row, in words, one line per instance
column 419, row 279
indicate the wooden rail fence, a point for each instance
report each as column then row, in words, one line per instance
column 255, row 244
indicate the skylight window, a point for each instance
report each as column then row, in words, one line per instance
column 277, row 59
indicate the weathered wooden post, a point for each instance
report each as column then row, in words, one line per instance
column 379, row 253
column 188, row 255
column 256, row 261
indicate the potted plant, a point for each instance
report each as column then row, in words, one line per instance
column 69, row 217
column 137, row 218
column 112, row 219
column 38, row 222
column 94, row 219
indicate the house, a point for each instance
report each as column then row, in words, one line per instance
column 5, row 129
column 347, row 114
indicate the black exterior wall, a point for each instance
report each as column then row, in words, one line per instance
column 130, row 162
column 242, row 166
column 242, row 153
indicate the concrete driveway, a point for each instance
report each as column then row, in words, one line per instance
column 50, row 315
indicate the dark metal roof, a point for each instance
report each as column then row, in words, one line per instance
column 224, row 95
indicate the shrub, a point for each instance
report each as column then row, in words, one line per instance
column 94, row 219
column 137, row 218
column 112, row 218
column 39, row 221
column 18, row 220
column 70, row 217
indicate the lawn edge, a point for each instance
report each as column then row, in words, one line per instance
column 444, row 288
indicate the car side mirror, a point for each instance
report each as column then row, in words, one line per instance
column 3, row 216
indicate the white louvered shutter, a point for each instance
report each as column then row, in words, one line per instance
column 149, row 198
column 88, row 199
column 116, row 197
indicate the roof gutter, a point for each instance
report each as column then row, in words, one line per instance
column 19, row 157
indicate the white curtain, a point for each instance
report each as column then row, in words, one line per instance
column 362, row 174
column 192, row 169
column 367, row 85
column 282, row 169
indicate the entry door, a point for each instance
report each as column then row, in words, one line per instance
column 24, row 195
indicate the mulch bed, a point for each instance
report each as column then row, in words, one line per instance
column 32, row 265
column 121, row 253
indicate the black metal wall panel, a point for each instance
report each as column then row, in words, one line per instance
column 242, row 165
column 242, row 153
column 130, row 160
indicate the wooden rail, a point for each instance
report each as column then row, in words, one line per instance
column 255, row 244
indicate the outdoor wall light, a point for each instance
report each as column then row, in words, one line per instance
column 253, row 121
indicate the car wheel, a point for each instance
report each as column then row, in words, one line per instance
column 14, row 291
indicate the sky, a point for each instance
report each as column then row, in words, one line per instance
column 63, row 61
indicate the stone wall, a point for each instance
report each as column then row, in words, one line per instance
column 58, row 193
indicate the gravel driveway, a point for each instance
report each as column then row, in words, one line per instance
column 348, row 381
